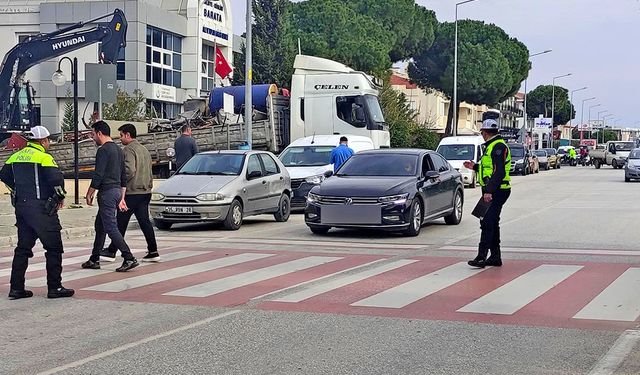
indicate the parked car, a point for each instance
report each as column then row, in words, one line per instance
column 457, row 150
column 612, row 153
column 390, row 189
column 552, row 157
column 307, row 159
column 632, row 168
column 223, row 186
column 534, row 163
column 520, row 163
column 543, row 159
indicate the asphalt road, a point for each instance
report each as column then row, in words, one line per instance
column 569, row 243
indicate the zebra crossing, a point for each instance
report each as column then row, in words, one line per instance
column 524, row 292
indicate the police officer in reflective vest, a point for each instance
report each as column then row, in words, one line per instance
column 493, row 172
column 37, row 190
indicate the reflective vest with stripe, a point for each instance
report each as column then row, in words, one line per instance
column 35, row 174
column 486, row 165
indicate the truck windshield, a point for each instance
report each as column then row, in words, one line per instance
column 306, row 156
column 375, row 112
column 457, row 152
column 213, row 164
column 624, row 146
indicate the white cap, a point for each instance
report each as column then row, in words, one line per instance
column 39, row 132
column 490, row 124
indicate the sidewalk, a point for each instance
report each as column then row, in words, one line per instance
column 76, row 222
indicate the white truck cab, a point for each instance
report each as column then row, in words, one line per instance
column 330, row 98
column 307, row 159
column 457, row 150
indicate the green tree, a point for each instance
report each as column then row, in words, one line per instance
column 491, row 65
column 67, row 119
column 539, row 102
column 127, row 107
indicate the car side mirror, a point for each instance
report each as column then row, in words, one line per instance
column 431, row 175
column 254, row 174
column 328, row 174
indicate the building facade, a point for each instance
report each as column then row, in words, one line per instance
column 169, row 55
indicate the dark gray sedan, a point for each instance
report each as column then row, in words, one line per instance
column 632, row 167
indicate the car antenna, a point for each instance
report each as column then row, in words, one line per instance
column 313, row 139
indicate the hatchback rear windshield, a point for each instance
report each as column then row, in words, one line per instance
column 213, row 164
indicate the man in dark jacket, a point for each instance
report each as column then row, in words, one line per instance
column 111, row 182
column 493, row 171
column 185, row 146
column 37, row 191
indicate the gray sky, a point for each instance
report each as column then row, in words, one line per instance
column 595, row 40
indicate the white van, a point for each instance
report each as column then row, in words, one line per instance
column 307, row 159
column 457, row 150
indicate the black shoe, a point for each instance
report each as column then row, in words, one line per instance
column 91, row 265
column 61, row 292
column 478, row 262
column 151, row 257
column 127, row 265
column 107, row 255
column 493, row 262
column 18, row 294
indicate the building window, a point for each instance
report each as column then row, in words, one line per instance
column 164, row 57
column 164, row 110
column 208, row 67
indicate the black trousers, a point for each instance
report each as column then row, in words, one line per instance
column 34, row 223
column 106, row 224
column 138, row 205
column 490, row 226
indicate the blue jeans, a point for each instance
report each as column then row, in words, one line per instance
column 107, row 224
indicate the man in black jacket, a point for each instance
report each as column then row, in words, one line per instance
column 111, row 182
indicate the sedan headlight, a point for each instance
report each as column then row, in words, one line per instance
column 395, row 199
column 210, row 197
column 312, row 198
column 315, row 179
column 156, row 197
column 631, row 166
column 521, row 161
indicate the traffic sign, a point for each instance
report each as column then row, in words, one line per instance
column 542, row 122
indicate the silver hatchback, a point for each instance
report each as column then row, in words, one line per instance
column 223, row 186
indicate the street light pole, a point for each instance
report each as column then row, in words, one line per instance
column 248, row 105
column 599, row 113
column 524, row 125
column 455, row 73
column 571, row 117
column 590, row 108
column 553, row 106
column 582, row 114
column 59, row 79
column 604, row 119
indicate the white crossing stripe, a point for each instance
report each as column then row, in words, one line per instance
column 619, row 301
column 336, row 283
column 174, row 273
column 43, row 265
column 521, row 291
column 417, row 289
column 6, row 259
column 247, row 278
column 108, row 268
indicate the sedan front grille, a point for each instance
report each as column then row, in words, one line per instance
column 296, row 182
column 180, row 200
column 348, row 200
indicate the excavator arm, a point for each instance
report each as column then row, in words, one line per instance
column 43, row 47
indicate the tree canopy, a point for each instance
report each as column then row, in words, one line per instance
column 539, row 103
column 491, row 65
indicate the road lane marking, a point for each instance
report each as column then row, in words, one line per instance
column 619, row 301
column 521, row 291
column 174, row 273
column 609, row 363
column 354, row 245
column 108, row 268
column 417, row 289
column 247, row 278
column 330, row 285
column 43, row 265
column 132, row 345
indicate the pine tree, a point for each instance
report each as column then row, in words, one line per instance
column 67, row 119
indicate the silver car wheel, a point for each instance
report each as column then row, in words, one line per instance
column 417, row 216
column 458, row 206
column 237, row 215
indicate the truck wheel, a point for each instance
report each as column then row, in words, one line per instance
column 162, row 225
column 614, row 164
column 596, row 163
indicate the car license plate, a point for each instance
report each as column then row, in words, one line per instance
column 179, row 210
column 351, row 214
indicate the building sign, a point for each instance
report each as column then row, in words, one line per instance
column 164, row 93
column 213, row 21
column 18, row 9
column 584, row 127
column 542, row 122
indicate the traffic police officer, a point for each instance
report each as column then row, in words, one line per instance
column 493, row 172
column 37, row 190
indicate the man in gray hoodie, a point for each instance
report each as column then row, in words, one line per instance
column 139, row 174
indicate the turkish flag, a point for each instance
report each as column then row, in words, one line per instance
column 223, row 69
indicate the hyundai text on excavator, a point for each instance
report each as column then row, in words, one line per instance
column 16, row 95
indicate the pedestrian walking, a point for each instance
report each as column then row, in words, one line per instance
column 185, row 146
column 493, row 172
column 110, row 181
column 37, row 193
column 341, row 153
column 139, row 176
